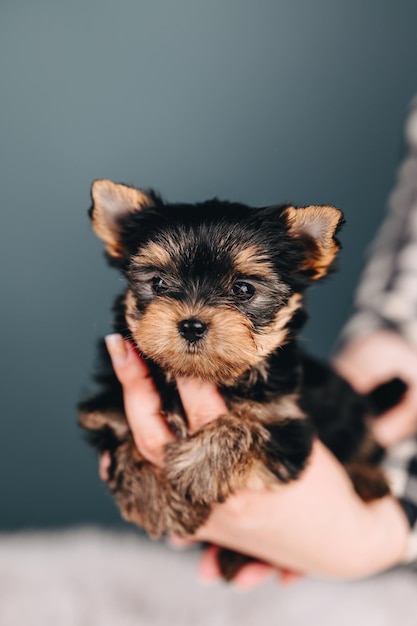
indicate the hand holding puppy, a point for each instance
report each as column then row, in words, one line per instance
column 369, row 361
column 315, row 525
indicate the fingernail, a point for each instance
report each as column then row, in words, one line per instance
column 117, row 348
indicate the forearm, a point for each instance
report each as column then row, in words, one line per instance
column 386, row 536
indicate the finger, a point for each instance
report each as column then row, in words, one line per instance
column 289, row 577
column 369, row 361
column 201, row 401
column 398, row 423
column 253, row 574
column 141, row 400
column 249, row 576
column 208, row 567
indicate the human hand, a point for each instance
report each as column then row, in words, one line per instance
column 317, row 524
column 151, row 433
column 375, row 359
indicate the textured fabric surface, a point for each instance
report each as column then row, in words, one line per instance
column 90, row 577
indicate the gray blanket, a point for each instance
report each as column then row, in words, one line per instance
column 90, row 577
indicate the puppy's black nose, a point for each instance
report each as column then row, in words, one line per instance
column 192, row 330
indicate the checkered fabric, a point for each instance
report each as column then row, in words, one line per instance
column 387, row 298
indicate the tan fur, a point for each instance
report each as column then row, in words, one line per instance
column 260, row 477
column 110, row 201
column 321, row 265
column 153, row 254
column 176, row 424
column 230, row 348
column 226, row 352
column 96, row 421
column 319, row 224
column 131, row 310
column 275, row 335
column 284, row 408
column 147, row 499
column 250, row 262
column 217, row 460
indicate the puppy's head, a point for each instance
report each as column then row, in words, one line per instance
column 212, row 287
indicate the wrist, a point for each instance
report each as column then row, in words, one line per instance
column 385, row 542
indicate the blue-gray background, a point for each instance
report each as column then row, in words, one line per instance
column 259, row 101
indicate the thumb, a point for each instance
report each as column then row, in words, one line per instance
column 141, row 400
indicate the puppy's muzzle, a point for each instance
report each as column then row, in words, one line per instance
column 192, row 330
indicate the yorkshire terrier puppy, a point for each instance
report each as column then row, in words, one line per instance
column 215, row 291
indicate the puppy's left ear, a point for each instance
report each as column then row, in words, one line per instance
column 315, row 227
column 111, row 204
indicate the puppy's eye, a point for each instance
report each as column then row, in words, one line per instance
column 159, row 285
column 243, row 291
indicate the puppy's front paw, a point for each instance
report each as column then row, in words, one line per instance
column 214, row 462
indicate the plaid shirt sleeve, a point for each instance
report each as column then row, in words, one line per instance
column 387, row 298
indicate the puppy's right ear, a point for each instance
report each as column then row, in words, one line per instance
column 111, row 203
